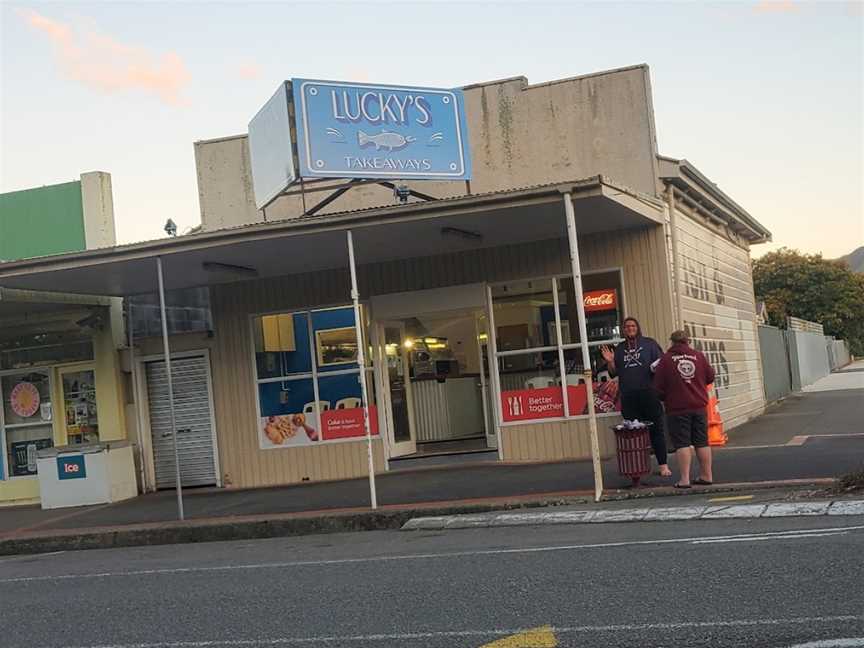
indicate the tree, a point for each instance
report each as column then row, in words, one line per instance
column 815, row 289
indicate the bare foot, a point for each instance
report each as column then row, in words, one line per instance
column 664, row 471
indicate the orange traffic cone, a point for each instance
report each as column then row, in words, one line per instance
column 716, row 435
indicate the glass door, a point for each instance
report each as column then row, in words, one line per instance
column 396, row 381
column 486, row 390
column 26, row 424
column 79, row 406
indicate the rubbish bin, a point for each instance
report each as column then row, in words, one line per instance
column 78, row 475
column 633, row 445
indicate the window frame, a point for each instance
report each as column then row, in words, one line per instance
column 50, row 371
column 314, row 374
column 559, row 347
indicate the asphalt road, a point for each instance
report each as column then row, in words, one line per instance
column 720, row 583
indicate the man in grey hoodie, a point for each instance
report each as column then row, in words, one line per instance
column 634, row 361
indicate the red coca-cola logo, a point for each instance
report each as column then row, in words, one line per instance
column 597, row 300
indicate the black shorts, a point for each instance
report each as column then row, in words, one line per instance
column 688, row 429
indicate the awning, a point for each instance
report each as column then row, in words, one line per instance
column 309, row 244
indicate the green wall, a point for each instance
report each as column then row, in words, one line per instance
column 41, row 221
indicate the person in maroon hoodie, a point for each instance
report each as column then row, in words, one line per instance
column 681, row 382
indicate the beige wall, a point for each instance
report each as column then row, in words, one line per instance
column 97, row 201
column 719, row 311
column 640, row 253
column 520, row 135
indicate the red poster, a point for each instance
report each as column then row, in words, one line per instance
column 532, row 404
column 538, row 404
column 347, row 423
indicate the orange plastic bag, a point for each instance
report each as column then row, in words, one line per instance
column 716, row 435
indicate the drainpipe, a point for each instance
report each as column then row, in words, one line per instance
column 135, row 395
column 676, row 256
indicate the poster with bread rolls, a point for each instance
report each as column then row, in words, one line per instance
column 287, row 414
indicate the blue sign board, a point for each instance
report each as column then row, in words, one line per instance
column 355, row 130
column 71, row 467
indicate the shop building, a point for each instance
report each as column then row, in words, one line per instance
column 60, row 377
column 469, row 308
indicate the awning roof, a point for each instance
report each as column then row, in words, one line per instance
column 14, row 303
column 317, row 243
column 688, row 179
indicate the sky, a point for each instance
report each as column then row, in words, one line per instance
column 765, row 98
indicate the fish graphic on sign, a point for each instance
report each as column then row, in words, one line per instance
column 385, row 139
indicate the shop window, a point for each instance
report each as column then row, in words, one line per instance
column 526, row 357
column 306, row 398
column 335, row 339
column 79, row 405
column 27, row 421
column 41, row 349
column 288, row 412
column 529, row 348
column 282, row 345
column 342, row 395
column 603, row 313
column 187, row 310
column 520, row 310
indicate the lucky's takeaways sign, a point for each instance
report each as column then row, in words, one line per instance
column 353, row 130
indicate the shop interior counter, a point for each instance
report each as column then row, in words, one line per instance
column 448, row 409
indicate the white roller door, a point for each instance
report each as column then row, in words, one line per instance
column 191, row 376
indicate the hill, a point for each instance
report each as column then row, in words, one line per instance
column 855, row 260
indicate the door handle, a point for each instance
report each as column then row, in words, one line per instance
column 179, row 431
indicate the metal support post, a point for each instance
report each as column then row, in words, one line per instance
column 167, row 351
column 361, row 355
column 583, row 337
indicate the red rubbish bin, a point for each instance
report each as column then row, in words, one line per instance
column 634, row 451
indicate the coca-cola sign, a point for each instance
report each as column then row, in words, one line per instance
column 600, row 300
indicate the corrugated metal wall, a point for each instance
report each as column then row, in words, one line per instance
column 639, row 252
column 720, row 314
column 811, row 356
column 777, row 372
column 838, row 353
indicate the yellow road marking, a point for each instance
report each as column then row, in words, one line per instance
column 542, row 637
column 734, row 498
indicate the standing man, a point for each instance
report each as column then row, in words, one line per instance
column 633, row 361
column 682, row 380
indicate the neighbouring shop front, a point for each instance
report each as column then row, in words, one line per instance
column 58, row 385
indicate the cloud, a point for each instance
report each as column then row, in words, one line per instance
column 107, row 65
column 776, row 6
column 357, row 75
column 249, row 71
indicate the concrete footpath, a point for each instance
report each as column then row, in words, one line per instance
column 713, row 509
column 807, row 440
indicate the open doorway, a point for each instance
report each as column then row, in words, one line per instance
column 435, row 377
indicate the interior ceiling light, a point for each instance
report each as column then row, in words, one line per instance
column 211, row 266
column 461, row 233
